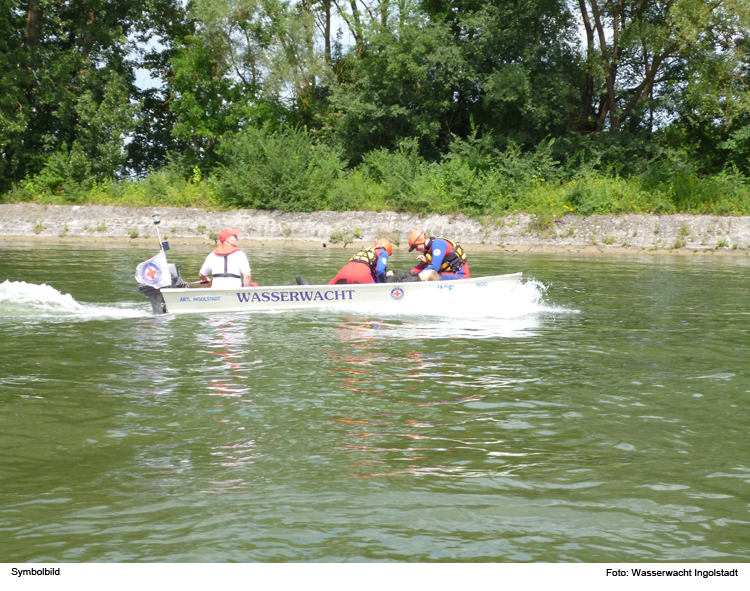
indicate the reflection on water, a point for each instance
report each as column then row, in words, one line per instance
column 230, row 362
column 439, row 392
column 427, row 328
column 227, row 339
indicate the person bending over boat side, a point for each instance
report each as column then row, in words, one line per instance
column 227, row 263
column 440, row 255
column 408, row 276
column 367, row 266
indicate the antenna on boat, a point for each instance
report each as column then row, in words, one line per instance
column 157, row 220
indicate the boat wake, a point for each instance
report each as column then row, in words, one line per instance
column 477, row 314
column 21, row 300
column 493, row 302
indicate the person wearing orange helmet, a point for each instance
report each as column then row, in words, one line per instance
column 367, row 266
column 438, row 254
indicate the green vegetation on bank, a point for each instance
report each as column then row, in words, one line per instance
column 478, row 107
column 290, row 172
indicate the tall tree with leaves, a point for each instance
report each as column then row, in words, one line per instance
column 525, row 68
column 56, row 55
column 266, row 46
column 156, row 41
column 400, row 85
column 503, row 70
column 640, row 51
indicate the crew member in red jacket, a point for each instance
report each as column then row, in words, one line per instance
column 367, row 266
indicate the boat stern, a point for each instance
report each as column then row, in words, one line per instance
column 154, row 295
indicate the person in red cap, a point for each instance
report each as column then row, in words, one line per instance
column 227, row 263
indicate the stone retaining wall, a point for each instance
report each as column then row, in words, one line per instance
column 677, row 234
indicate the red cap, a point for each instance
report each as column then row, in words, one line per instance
column 226, row 233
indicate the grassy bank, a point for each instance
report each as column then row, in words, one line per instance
column 291, row 172
column 445, row 192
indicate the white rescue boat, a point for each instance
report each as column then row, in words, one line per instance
column 160, row 281
column 387, row 296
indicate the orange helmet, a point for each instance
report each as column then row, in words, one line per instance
column 416, row 238
column 385, row 244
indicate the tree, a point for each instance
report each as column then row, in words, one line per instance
column 14, row 111
column 55, row 54
column 266, row 46
column 640, row 51
column 400, row 85
column 525, row 69
column 158, row 37
column 203, row 100
column 502, row 70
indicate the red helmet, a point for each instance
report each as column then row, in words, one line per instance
column 416, row 238
column 385, row 244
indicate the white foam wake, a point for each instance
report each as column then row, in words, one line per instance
column 474, row 314
column 496, row 301
column 21, row 299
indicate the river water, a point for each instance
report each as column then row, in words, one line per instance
column 598, row 415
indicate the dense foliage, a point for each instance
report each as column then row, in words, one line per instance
column 475, row 106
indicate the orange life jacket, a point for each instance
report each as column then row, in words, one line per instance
column 224, row 251
column 453, row 259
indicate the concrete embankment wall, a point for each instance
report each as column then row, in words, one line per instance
column 674, row 234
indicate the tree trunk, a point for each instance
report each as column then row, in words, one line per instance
column 327, row 30
column 610, row 66
column 384, row 13
column 357, row 22
column 32, row 23
column 587, row 95
column 353, row 22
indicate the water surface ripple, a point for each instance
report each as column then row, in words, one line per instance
column 601, row 416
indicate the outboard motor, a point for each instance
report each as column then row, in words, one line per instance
column 154, row 295
column 155, row 298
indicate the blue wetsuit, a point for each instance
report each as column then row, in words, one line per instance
column 438, row 248
column 380, row 267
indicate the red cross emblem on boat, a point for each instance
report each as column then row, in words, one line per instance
column 397, row 293
column 151, row 274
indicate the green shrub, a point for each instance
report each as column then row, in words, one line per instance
column 279, row 170
column 290, row 171
column 356, row 191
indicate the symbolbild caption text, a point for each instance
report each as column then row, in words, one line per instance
column 34, row 572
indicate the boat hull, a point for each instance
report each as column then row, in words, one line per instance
column 293, row 297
